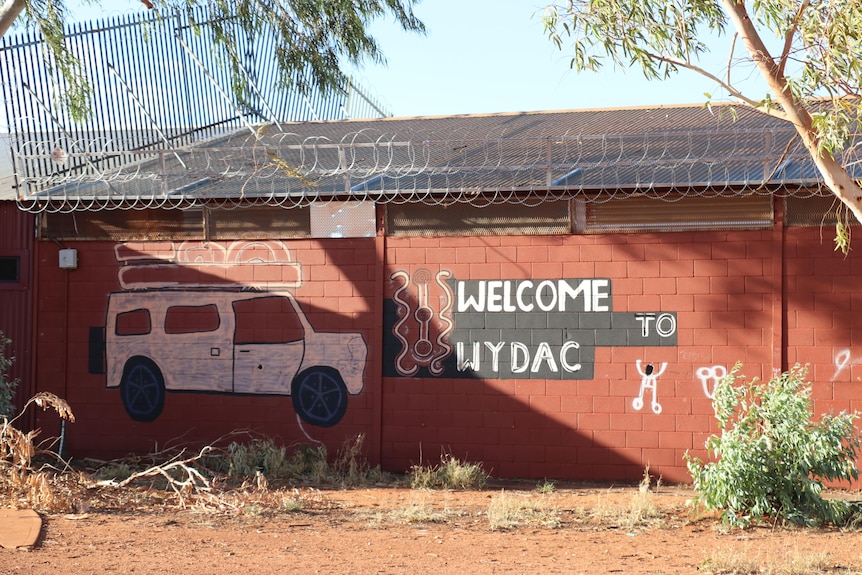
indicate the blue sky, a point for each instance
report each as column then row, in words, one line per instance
column 485, row 56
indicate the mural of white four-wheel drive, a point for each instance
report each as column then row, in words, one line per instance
column 221, row 318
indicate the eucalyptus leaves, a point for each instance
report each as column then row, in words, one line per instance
column 772, row 455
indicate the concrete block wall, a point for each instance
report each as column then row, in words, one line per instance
column 767, row 299
column 823, row 318
column 337, row 294
column 719, row 285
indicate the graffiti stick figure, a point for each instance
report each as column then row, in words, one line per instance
column 649, row 380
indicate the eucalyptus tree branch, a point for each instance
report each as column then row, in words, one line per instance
column 757, row 104
column 9, row 12
column 788, row 36
column 730, row 55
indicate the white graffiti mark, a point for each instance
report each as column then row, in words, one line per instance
column 843, row 360
column 709, row 378
column 649, row 381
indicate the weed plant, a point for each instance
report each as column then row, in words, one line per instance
column 307, row 464
column 7, row 384
column 772, row 456
column 451, row 473
column 20, row 481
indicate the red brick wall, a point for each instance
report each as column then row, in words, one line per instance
column 766, row 299
column 823, row 319
column 338, row 294
column 719, row 284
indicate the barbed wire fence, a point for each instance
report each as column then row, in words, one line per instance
column 279, row 167
column 165, row 133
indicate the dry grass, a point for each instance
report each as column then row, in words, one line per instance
column 233, row 479
column 750, row 563
column 510, row 510
column 351, row 468
column 452, row 473
column 307, row 464
column 418, row 509
column 262, row 501
column 639, row 512
column 21, row 484
column 211, row 479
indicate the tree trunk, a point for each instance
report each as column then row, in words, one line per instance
column 835, row 176
column 9, row 12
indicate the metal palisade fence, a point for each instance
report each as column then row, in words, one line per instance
column 158, row 84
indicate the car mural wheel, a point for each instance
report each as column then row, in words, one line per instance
column 319, row 396
column 142, row 389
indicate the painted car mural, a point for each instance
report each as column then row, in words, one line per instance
column 211, row 334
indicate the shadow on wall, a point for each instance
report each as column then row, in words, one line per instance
column 483, row 367
column 498, row 370
column 220, row 319
column 259, row 339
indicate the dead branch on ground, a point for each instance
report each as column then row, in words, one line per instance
column 190, row 480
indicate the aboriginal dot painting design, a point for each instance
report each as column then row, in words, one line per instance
column 423, row 324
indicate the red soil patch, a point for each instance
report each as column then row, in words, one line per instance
column 575, row 529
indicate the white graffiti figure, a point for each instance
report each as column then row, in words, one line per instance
column 709, row 378
column 649, row 380
column 843, row 360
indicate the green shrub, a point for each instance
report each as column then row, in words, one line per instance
column 772, row 456
column 7, row 385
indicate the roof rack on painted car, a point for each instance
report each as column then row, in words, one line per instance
column 190, row 265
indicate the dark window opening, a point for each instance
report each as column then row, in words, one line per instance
column 494, row 219
column 10, row 269
column 813, row 209
column 673, row 213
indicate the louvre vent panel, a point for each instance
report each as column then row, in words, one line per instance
column 815, row 210
column 258, row 222
column 492, row 220
column 647, row 214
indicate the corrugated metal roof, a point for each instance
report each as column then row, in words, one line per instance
column 456, row 158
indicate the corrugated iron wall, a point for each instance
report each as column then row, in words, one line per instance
column 17, row 232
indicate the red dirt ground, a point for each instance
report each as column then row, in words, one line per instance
column 575, row 529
